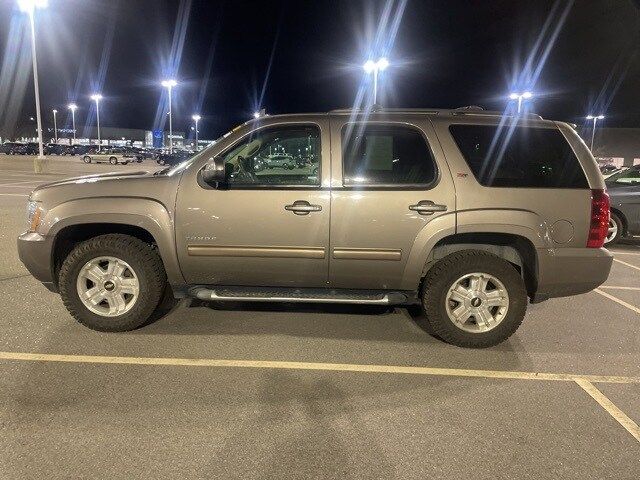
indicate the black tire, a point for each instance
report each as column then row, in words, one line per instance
column 86, row 159
column 443, row 275
column 139, row 255
column 113, row 160
column 620, row 232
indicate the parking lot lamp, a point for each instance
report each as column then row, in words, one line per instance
column 169, row 84
column 595, row 119
column 29, row 7
column 72, row 107
column 55, row 126
column 96, row 97
column 196, row 119
column 375, row 67
column 520, row 97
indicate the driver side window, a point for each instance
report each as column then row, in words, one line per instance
column 279, row 156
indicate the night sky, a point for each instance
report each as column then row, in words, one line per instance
column 308, row 55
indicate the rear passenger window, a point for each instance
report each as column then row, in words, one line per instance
column 385, row 155
column 519, row 156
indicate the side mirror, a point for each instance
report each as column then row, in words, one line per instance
column 214, row 173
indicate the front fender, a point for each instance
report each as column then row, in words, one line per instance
column 147, row 214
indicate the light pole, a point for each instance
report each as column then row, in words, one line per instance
column 169, row 84
column 520, row 97
column 375, row 67
column 196, row 118
column 55, row 126
column 29, row 7
column 72, row 107
column 96, row 97
column 595, row 119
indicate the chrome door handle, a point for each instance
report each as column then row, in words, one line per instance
column 302, row 207
column 427, row 207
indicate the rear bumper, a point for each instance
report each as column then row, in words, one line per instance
column 571, row 271
column 34, row 251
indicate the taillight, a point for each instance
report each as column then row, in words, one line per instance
column 599, row 227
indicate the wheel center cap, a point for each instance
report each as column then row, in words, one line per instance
column 109, row 285
column 476, row 302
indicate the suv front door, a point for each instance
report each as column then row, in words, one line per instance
column 266, row 226
column 390, row 181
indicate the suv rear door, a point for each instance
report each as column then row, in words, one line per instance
column 389, row 182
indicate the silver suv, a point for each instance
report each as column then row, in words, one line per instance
column 468, row 213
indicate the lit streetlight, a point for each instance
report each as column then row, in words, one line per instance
column 520, row 97
column 196, row 118
column 55, row 125
column 73, row 107
column 595, row 119
column 96, row 97
column 29, row 7
column 375, row 67
column 169, row 84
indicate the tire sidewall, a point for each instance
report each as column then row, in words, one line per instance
column 434, row 301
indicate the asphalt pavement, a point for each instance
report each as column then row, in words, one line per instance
column 310, row 391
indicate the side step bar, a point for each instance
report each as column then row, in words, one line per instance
column 247, row 294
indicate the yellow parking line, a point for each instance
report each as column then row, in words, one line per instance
column 617, row 300
column 626, row 264
column 615, row 412
column 337, row 367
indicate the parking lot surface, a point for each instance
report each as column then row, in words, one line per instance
column 290, row 391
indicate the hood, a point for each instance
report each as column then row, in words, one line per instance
column 141, row 184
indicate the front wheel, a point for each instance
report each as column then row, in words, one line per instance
column 86, row 159
column 112, row 283
column 113, row 160
column 474, row 299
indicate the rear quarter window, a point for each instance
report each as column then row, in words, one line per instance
column 519, row 157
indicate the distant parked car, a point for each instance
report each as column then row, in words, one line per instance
column 55, row 149
column 11, row 148
column 81, row 149
column 624, row 191
column 173, row 158
column 106, row 155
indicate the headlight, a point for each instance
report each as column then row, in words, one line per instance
column 34, row 215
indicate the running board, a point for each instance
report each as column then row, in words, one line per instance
column 299, row 295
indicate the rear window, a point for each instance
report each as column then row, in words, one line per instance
column 521, row 157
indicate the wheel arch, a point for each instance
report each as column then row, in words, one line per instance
column 625, row 223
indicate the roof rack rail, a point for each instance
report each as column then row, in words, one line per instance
column 469, row 110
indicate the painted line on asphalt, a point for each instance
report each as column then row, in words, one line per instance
column 626, row 264
column 18, row 184
column 627, row 253
column 633, row 308
column 14, row 194
column 336, row 367
column 629, row 425
column 615, row 287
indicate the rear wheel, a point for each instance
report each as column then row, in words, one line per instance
column 616, row 228
column 474, row 299
column 112, row 283
column 113, row 160
column 86, row 159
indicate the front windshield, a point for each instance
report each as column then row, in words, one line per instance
column 630, row 176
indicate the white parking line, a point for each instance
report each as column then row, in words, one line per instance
column 629, row 425
column 12, row 184
column 14, row 194
column 617, row 300
column 627, row 253
column 626, row 264
column 336, row 367
column 615, row 287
